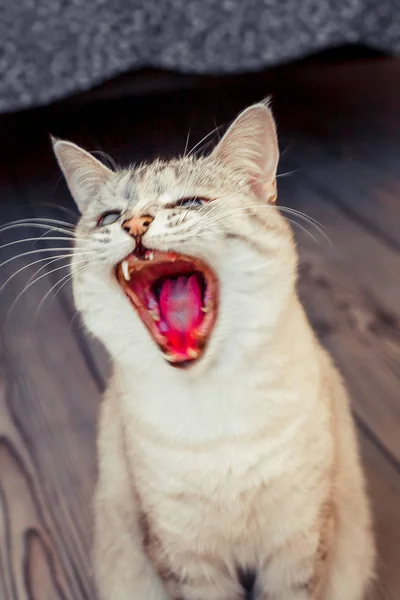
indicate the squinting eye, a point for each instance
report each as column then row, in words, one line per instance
column 191, row 202
column 108, row 218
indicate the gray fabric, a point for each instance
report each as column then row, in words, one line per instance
column 52, row 48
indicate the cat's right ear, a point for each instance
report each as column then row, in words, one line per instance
column 250, row 147
column 84, row 174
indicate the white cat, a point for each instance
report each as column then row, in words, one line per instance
column 228, row 461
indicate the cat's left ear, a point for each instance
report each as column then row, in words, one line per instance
column 85, row 175
column 250, row 147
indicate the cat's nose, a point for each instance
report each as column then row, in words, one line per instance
column 137, row 226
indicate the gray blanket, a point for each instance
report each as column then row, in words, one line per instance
column 50, row 49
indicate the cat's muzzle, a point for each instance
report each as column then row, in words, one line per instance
column 176, row 297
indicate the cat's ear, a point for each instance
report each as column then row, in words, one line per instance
column 85, row 175
column 250, row 147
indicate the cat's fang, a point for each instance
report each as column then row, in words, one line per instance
column 170, row 357
column 125, row 270
column 192, row 353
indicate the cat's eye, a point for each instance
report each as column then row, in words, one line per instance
column 191, row 202
column 109, row 218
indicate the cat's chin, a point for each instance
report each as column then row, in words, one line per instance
column 176, row 298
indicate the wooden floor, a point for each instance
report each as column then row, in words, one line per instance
column 340, row 136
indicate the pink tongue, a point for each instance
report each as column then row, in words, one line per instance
column 180, row 303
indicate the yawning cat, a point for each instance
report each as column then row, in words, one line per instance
column 228, row 462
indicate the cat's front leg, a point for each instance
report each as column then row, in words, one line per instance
column 121, row 567
column 309, row 588
column 299, row 568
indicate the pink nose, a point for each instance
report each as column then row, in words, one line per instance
column 137, row 226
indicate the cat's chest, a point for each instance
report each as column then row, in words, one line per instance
column 193, row 496
column 203, row 460
column 213, row 460
column 201, row 485
column 201, row 412
column 210, row 437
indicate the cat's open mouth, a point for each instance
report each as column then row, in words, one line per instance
column 176, row 297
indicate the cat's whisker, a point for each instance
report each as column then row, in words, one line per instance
column 32, row 264
column 185, row 214
column 209, row 207
column 56, row 184
column 32, row 239
column 67, row 236
column 71, row 251
column 299, row 212
column 45, row 266
column 204, row 138
column 72, row 235
column 66, row 277
column 308, row 220
column 187, row 142
column 225, row 214
column 53, row 205
column 285, row 150
column 107, row 157
column 43, row 235
column 279, row 175
column 313, row 222
column 25, row 289
column 303, row 229
column 228, row 212
column 75, row 314
column 39, row 226
column 222, row 217
column 42, row 220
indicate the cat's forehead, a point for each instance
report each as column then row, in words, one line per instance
column 165, row 182
column 163, row 178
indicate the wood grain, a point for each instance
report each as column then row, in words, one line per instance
column 48, row 404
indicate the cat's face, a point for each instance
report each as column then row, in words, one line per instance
column 182, row 260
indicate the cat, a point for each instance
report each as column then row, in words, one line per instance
column 227, row 469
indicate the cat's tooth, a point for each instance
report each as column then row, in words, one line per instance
column 154, row 315
column 192, row 352
column 125, row 270
column 207, row 307
column 169, row 357
column 151, row 256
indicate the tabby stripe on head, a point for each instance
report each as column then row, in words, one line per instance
column 255, row 245
column 254, row 216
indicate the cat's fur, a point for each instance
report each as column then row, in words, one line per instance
column 246, row 464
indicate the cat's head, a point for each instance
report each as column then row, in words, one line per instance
column 183, row 262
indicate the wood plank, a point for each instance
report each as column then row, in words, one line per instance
column 365, row 186
column 351, row 290
column 384, row 490
column 48, row 406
